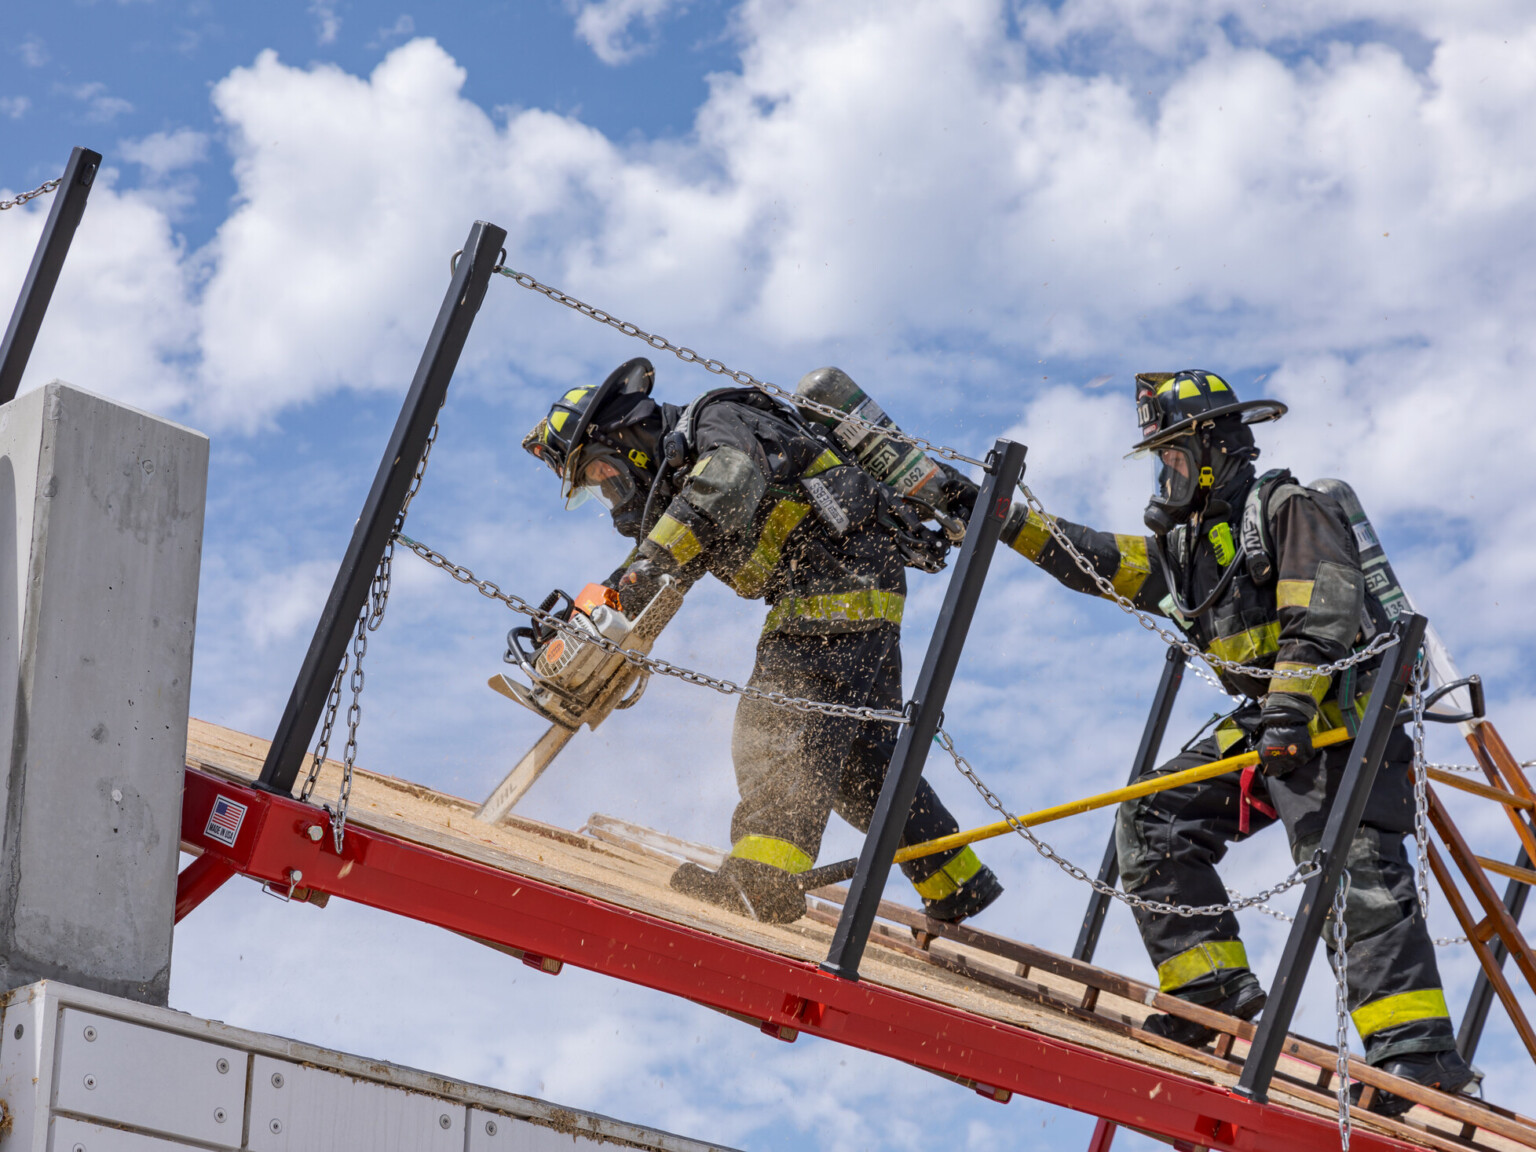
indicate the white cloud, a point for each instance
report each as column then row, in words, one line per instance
column 33, row 52
column 161, row 153
column 609, row 26
column 14, row 107
column 327, row 22
column 100, row 107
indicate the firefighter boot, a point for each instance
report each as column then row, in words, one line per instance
column 1446, row 1071
column 1236, row 993
column 746, row 887
column 961, row 902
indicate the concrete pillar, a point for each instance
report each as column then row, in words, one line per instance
column 101, row 527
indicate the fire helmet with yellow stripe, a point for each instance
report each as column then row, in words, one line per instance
column 1196, row 429
column 603, row 442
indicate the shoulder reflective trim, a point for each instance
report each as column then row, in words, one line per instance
column 1212, row 956
column 1262, row 640
column 869, row 604
column 677, row 538
column 1134, row 566
column 699, row 467
column 828, row 459
column 1315, row 685
column 1403, row 1008
column 949, row 879
column 1229, row 733
column 1032, row 537
column 772, row 851
column 784, row 519
column 1293, row 594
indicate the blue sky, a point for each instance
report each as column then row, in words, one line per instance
column 990, row 214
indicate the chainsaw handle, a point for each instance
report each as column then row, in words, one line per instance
column 537, row 634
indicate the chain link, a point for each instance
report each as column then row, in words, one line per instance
column 1302, row 874
column 1284, row 917
column 1420, row 787
column 1341, row 1002
column 493, row 591
column 41, row 190
column 689, row 356
column 1149, row 622
column 368, row 620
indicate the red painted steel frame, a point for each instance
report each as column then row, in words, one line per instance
column 397, row 876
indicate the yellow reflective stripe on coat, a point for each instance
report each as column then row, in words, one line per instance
column 1302, row 683
column 1134, row 566
column 1403, row 1008
column 870, row 604
column 1032, row 537
column 677, row 538
column 784, row 519
column 1293, row 594
column 772, row 851
column 1248, row 645
column 828, row 459
column 948, row 879
column 1228, row 734
column 1212, row 956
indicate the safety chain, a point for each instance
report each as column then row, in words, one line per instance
column 1284, row 917
column 1147, row 621
column 41, row 190
column 689, row 356
column 1302, row 874
column 1341, row 1001
column 1420, row 787
column 718, row 368
column 368, row 620
column 493, row 591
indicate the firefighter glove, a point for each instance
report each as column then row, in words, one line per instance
column 1285, row 743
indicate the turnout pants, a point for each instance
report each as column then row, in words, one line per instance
column 795, row 768
column 1170, row 842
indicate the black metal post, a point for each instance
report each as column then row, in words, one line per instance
column 1146, row 753
column 371, row 534
column 1005, row 465
column 1365, row 757
column 47, row 261
column 1471, row 1031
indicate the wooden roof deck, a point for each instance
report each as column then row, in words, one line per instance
column 975, row 972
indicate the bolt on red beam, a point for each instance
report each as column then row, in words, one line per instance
column 434, row 887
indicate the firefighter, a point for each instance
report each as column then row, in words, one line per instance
column 743, row 487
column 1260, row 571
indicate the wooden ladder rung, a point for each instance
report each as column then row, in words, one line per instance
column 1461, row 783
column 1513, row 871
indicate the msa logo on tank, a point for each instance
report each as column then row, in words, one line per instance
column 224, row 821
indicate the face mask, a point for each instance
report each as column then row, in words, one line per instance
column 1176, row 488
column 604, row 478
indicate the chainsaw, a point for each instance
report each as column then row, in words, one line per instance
column 573, row 679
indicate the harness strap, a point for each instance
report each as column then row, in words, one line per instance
column 1249, row 800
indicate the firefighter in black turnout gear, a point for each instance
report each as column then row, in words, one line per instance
column 743, row 487
column 1259, row 570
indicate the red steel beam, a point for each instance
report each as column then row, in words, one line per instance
column 285, row 843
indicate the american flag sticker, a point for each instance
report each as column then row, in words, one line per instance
column 224, row 821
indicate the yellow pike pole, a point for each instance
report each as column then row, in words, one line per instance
column 1104, row 799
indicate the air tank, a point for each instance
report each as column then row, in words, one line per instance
column 905, row 467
